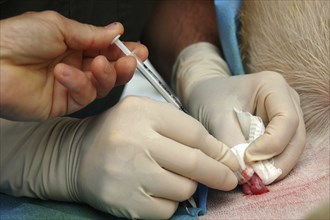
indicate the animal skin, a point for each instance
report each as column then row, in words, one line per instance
column 293, row 39
column 254, row 186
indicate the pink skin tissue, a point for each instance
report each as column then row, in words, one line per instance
column 254, row 186
column 256, row 176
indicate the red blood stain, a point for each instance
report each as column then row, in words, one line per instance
column 254, row 186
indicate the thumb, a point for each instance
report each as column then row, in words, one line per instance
column 81, row 36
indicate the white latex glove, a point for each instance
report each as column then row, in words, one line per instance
column 210, row 95
column 137, row 160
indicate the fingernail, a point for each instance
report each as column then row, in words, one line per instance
column 66, row 72
column 111, row 25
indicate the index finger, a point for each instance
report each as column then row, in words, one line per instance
column 81, row 36
column 186, row 148
column 112, row 52
column 183, row 128
column 276, row 105
column 194, row 164
column 290, row 156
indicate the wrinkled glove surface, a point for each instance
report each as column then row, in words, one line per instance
column 204, row 85
column 137, row 160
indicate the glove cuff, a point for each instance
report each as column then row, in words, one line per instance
column 41, row 159
column 196, row 62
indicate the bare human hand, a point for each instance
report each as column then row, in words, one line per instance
column 53, row 66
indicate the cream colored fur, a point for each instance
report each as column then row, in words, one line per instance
column 292, row 38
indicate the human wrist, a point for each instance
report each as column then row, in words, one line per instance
column 195, row 63
column 50, row 149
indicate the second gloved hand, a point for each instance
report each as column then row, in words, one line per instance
column 137, row 160
column 210, row 95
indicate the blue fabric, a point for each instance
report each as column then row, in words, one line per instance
column 23, row 208
column 181, row 214
column 201, row 198
column 228, row 26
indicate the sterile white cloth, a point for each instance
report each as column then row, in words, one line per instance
column 252, row 127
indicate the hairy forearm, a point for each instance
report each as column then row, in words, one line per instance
column 175, row 25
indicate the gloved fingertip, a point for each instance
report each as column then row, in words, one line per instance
column 233, row 163
column 251, row 156
column 222, row 153
column 229, row 159
column 231, row 182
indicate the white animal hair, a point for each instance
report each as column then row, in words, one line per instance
column 292, row 38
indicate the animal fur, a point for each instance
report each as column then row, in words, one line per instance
column 292, row 38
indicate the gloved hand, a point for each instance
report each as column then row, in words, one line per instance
column 53, row 66
column 210, row 95
column 137, row 160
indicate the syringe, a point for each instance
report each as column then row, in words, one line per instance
column 167, row 94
